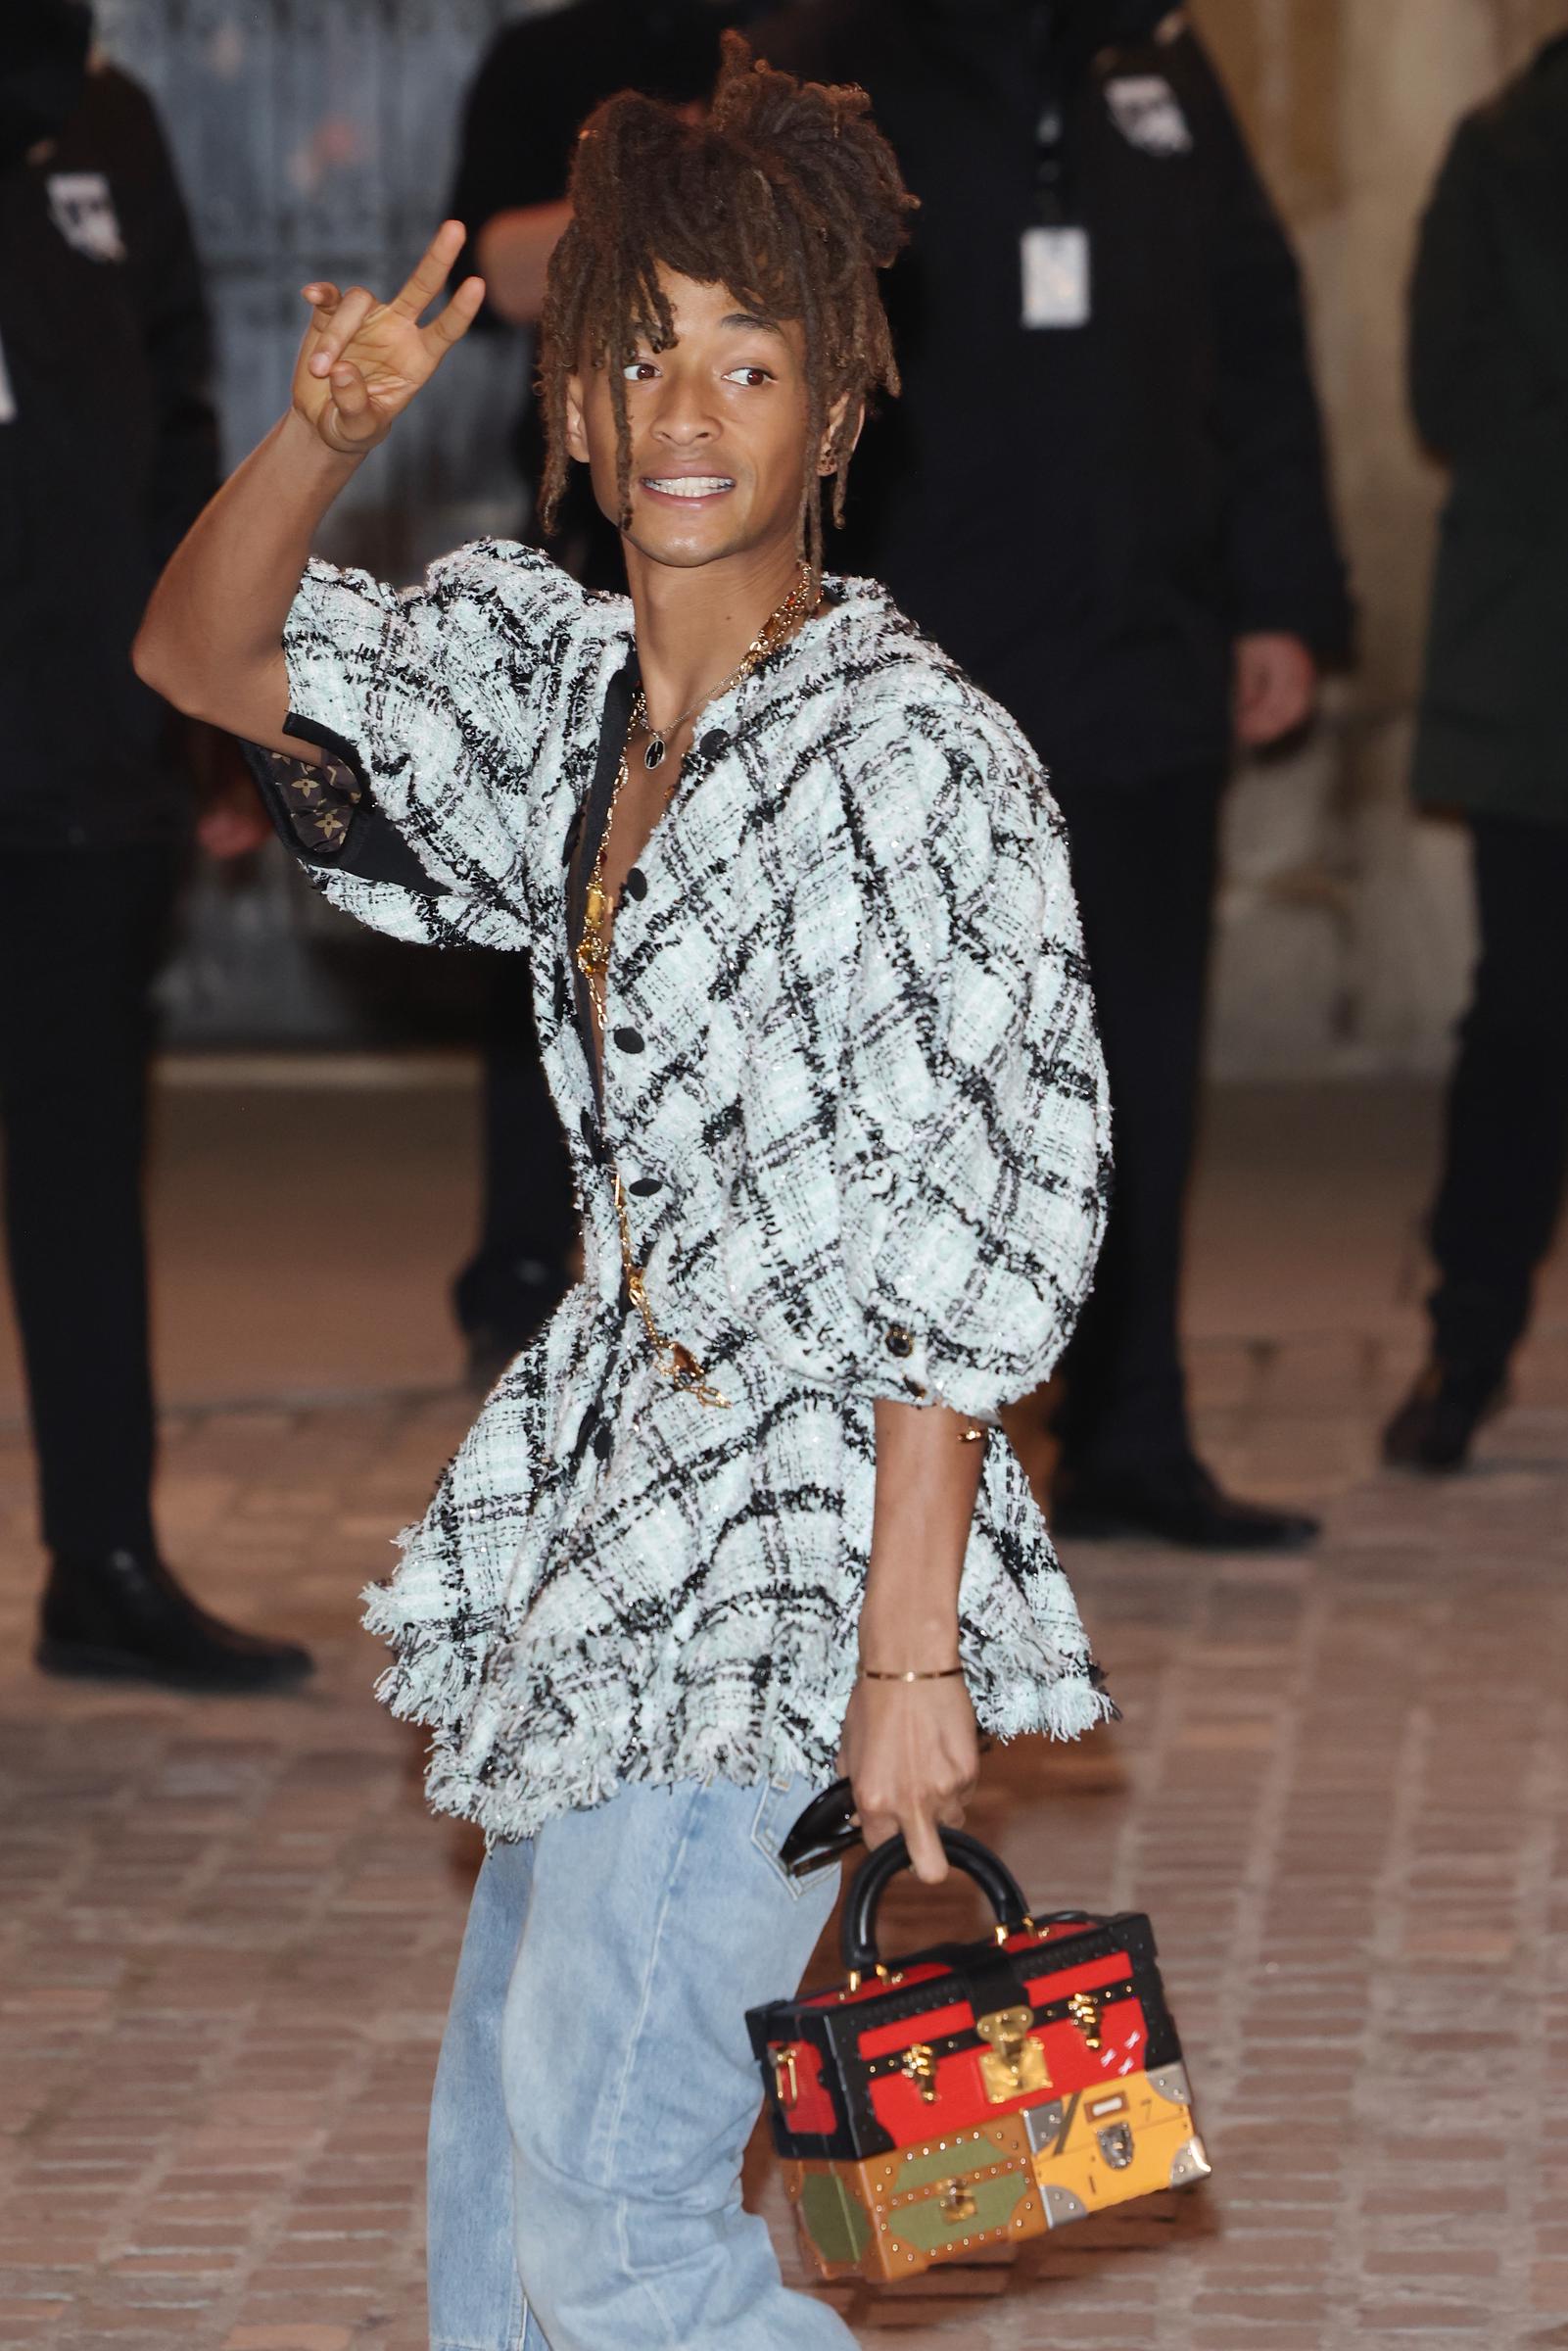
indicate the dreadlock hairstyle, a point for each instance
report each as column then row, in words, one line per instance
column 785, row 193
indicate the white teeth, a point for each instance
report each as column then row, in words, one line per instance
column 690, row 485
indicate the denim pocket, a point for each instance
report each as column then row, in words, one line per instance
column 779, row 1808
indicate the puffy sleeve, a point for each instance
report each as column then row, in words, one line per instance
column 435, row 705
column 937, row 1065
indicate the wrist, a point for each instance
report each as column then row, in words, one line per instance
column 901, row 1644
column 909, row 1680
column 315, row 459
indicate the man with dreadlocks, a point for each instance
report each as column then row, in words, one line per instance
column 812, row 1001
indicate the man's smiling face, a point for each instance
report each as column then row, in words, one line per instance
column 718, row 431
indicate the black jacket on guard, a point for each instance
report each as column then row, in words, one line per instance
column 106, row 455
column 1488, row 381
column 1085, row 518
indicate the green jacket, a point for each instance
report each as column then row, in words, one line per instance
column 1489, row 382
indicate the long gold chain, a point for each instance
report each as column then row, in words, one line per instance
column 593, row 946
column 676, row 1363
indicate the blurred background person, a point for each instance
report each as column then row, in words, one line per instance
column 1098, row 285
column 539, row 81
column 108, row 451
column 1489, row 382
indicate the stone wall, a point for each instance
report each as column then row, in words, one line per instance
column 1344, row 925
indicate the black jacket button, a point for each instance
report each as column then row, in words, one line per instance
column 629, row 1040
column 714, row 744
column 601, row 1441
column 637, row 882
column 899, row 1340
column 645, row 1187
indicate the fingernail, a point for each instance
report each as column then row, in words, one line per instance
column 319, row 364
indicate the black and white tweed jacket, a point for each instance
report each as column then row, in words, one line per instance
column 853, row 1086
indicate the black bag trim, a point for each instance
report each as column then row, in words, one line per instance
column 834, row 2030
column 1050, row 2012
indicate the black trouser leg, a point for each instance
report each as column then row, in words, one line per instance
column 529, row 1217
column 81, row 932
column 1143, row 861
column 1507, row 1152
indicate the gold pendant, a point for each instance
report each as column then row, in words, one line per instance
column 682, row 1369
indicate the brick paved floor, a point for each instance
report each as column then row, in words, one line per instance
column 226, row 1931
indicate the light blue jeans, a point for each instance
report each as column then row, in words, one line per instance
column 597, row 2088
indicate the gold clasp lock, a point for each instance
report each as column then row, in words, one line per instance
column 1084, row 2008
column 786, row 2078
column 956, row 2202
column 1014, row 2062
column 919, row 2065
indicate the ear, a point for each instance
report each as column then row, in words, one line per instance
column 828, row 462
column 576, row 420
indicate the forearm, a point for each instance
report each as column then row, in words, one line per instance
column 512, row 251
column 210, row 641
column 927, row 1477
column 909, row 1747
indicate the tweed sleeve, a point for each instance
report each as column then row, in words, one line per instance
column 436, row 705
column 973, row 1129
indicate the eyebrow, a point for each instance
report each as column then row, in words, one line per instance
column 749, row 320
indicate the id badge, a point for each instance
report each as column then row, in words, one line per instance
column 1056, row 276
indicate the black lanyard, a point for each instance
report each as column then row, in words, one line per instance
column 1053, row 190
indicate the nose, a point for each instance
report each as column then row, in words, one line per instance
column 684, row 420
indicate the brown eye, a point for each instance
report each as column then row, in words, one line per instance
column 752, row 377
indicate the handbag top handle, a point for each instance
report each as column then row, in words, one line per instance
column 877, row 1871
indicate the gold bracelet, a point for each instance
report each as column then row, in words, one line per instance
column 944, row 1673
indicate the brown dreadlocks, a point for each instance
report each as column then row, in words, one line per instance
column 786, row 192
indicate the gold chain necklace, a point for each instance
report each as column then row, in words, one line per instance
column 593, row 946
column 676, row 1363
column 801, row 600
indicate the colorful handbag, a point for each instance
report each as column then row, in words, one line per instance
column 977, row 2093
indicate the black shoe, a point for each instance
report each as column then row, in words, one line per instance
column 120, row 1616
column 1435, row 1427
column 1179, row 1503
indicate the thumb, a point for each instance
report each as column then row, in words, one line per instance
column 353, row 421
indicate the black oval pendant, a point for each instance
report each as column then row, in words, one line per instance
column 654, row 756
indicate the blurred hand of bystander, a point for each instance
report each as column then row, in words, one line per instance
column 1276, row 686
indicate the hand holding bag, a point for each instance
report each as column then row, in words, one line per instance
column 973, row 2094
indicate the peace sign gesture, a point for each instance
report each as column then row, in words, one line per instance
column 362, row 361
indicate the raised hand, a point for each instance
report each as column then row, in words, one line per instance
column 362, row 361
